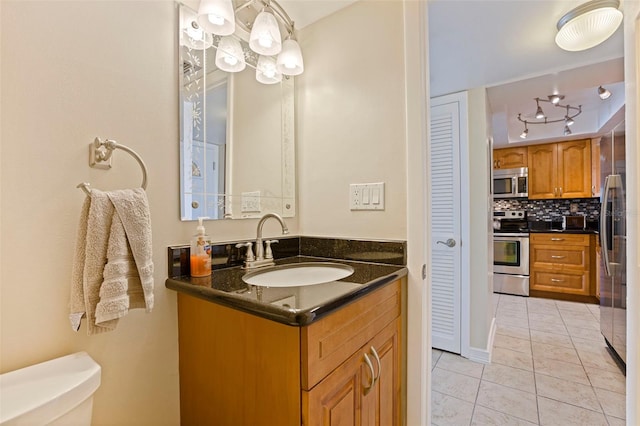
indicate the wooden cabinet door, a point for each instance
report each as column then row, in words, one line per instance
column 543, row 166
column 510, row 158
column 595, row 167
column 342, row 398
column 574, row 169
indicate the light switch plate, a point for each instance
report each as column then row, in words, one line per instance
column 366, row 196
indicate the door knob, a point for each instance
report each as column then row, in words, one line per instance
column 449, row 243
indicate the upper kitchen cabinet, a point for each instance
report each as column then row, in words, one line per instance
column 510, row 158
column 560, row 170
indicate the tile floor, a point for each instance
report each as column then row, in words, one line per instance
column 550, row 366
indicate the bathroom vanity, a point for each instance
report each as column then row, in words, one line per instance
column 323, row 354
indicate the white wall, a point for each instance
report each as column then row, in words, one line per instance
column 71, row 71
column 480, row 208
column 351, row 120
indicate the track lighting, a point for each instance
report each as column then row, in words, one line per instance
column 539, row 112
column 571, row 113
column 603, row 93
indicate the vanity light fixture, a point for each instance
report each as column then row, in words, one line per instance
column 229, row 55
column 265, row 22
column 217, row 17
column 266, row 71
column 540, row 118
column 192, row 35
column 588, row 25
column 603, row 93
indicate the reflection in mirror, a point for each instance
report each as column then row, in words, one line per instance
column 236, row 134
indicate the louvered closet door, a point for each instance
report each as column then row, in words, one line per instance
column 445, row 224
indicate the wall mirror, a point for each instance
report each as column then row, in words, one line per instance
column 237, row 153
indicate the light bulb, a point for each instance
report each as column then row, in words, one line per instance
column 265, row 41
column 603, row 93
column 290, row 61
column 524, row 133
column 195, row 32
column 229, row 55
column 266, row 71
column 567, row 130
column 231, row 60
column 568, row 121
column 539, row 113
column 215, row 19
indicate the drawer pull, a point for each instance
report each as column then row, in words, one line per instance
column 555, row 280
column 557, row 239
column 557, row 257
column 367, row 389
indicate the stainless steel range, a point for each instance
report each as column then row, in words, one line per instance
column 511, row 252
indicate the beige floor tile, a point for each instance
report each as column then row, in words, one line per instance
column 455, row 384
column 556, row 328
column 597, row 357
column 460, row 365
column 447, row 410
column 483, row 416
column 435, row 356
column 585, row 333
column 513, row 343
column 508, row 400
column 545, row 318
column 551, row 338
column 560, row 370
column 571, row 306
column 613, row 403
column 614, row 421
column 591, row 324
column 517, row 332
column 512, row 358
column 513, row 321
column 565, row 391
column 509, row 376
column 613, row 381
column 560, row 353
column 561, row 414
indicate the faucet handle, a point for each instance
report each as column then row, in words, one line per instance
column 249, row 246
column 268, row 254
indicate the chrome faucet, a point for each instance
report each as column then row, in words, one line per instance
column 260, row 259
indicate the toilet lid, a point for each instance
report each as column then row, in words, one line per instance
column 43, row 392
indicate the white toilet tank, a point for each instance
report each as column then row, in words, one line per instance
column 55, row 392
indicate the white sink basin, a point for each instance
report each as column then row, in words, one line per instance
column 298, row 274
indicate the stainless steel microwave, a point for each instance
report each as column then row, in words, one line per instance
column 511, row 183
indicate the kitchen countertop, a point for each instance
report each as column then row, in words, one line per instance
column 296, row 306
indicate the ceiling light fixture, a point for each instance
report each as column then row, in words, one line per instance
column 603, row 93
column 588, row 25
column 571, row 113
column 263, row 24
column 539, row 112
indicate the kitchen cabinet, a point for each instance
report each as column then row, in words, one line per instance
column 560, row 170
column 510, row 158
column 342, row 369
column 562, row 263
column 595, row 167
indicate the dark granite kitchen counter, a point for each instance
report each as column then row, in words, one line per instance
column 296, row 306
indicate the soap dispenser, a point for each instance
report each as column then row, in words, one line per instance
column 200, row 252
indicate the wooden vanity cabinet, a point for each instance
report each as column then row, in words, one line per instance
column 562, row 263
column 560, row 170
column 510, row 158
column 241, row 369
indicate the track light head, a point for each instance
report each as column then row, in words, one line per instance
column 603, row 93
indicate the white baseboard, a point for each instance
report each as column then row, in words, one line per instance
column 484, row 355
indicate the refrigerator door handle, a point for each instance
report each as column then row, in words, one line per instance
column 603, row 226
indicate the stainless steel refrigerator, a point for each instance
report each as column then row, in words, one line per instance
column 613, row 239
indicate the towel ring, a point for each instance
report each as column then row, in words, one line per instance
column 100, row 157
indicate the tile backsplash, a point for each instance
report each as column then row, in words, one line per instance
column 551, row 209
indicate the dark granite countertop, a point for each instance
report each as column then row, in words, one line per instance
column 296, row 306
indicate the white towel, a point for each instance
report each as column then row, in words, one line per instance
column 113, row 268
